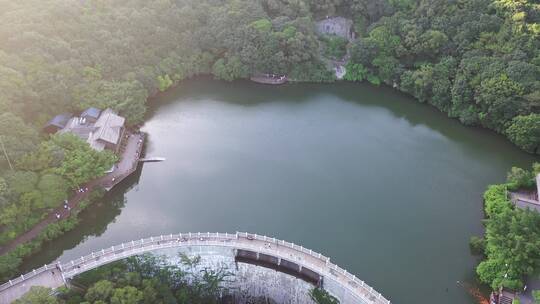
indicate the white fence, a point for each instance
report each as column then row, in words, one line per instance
column 240, row 240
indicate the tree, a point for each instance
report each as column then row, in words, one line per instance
column 498, row 100
column 431, row 41
column 22, row 181
column 127, row 295
column 536, row 296
column 4, row 192
column 263, row 25
column 525, row 132
column 127, row 98
column 17, row 138
column 100, row 291
column 8, row 265
column 164, row 82
column 81, row 163
column 520, row 178
column 477, row 245
column 335, row 46
column 512, row 242
column 321, row 296
column 355, row 72
column 229, row 69
column 37, row 295
column 53, row 189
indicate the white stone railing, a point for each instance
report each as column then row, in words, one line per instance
column 27, row 276
column 240, row 240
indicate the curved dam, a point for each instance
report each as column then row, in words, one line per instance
column 262, row 266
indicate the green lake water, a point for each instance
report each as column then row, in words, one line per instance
column 390, row 189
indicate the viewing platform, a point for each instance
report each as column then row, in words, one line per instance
column 131, row 152
column 151, row 159
column 303, row 263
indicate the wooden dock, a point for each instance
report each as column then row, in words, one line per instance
column 151, row 159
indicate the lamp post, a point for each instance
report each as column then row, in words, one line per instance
column 5, row 153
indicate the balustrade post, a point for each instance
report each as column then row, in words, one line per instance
column 10, row 283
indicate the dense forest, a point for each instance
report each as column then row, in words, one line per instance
column 477, row 60
column 512, row 238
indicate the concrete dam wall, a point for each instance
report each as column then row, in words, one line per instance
column 262, row 268
column 249, row 283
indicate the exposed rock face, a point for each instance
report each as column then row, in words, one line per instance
column 339, row 26
column 340, row 72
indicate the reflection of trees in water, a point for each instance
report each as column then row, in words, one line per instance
column 92, row 222
column 399, row 104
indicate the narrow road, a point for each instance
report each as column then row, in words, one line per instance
column 126, row 166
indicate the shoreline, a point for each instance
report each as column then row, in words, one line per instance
column 208, row 77
column 62, row 215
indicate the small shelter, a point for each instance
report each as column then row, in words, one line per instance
column 108, row 131
column 91, row 114
column 100, row 129
column 57, row 123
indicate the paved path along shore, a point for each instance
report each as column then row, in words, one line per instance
column 127, row 165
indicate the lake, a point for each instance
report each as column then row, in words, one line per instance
column 389, row 188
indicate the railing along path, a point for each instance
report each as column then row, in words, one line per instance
column 240, row 240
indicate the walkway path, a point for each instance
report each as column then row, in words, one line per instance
column 526, row 297
column 58, row 274
column 126, row 166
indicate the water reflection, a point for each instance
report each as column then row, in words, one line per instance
column 93, row 223
column 388, row 187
